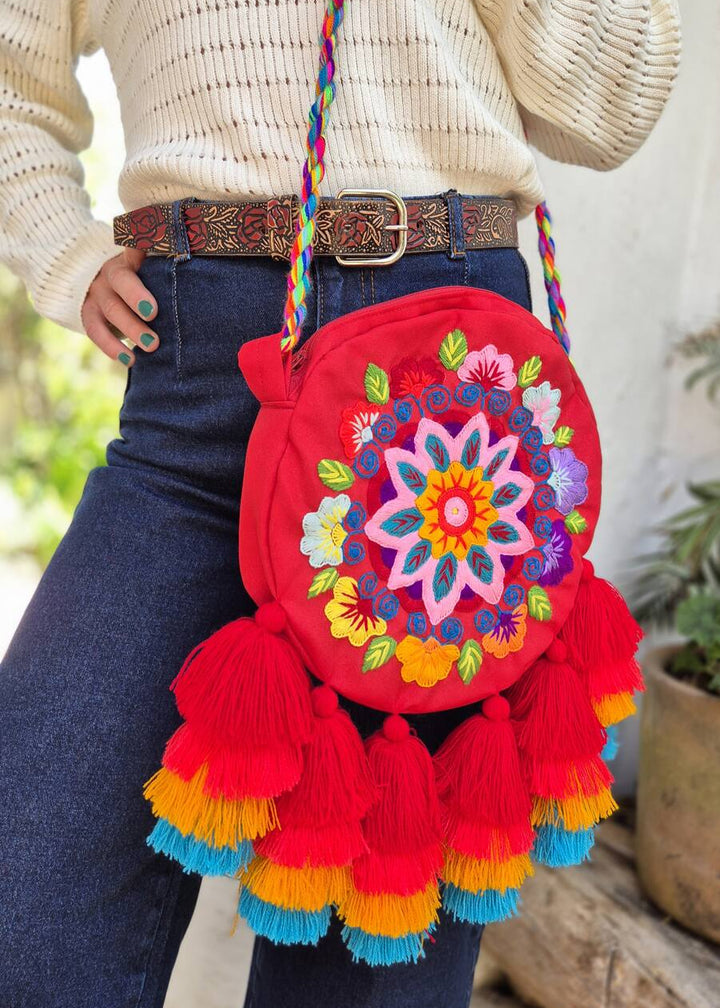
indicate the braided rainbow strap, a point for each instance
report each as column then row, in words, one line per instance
column 546, row 246
column 313, row 172
column 298, row 282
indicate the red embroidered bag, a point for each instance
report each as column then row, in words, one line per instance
column 422, row 483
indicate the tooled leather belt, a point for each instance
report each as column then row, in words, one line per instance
column 360, row 224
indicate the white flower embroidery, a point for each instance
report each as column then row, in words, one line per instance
column 324, row 532
column 542, row 401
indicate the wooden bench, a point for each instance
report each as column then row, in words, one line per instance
column 586, row 937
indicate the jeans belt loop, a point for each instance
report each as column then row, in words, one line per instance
column 456, row 227
column 180, row 236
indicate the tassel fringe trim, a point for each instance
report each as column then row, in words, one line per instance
column 197, row 856
column 284, row 927
column 480, row 907
column 614, row 707
column 575, row 813
column 389, row 915
column 219, row 822
column 474, row 874
column 378, row 950
column 307, row 889
column 558, row 848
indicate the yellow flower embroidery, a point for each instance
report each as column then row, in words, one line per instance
column 457, row 510
column 425, row 662
column 351, row 615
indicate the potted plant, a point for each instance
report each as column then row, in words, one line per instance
column 678, row 802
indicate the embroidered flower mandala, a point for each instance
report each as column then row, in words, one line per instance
column 451, row 525
column 455, row 514
column 351, row 614
column 542, row 401
column 488, row 368
column 425, row 662
column 356, row 427
column 324, row 532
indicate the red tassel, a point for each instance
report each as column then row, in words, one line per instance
column 568, row 779
column 388, row 872
column 320, row 817
column 485, row 800
column 556, row 722
column 560, row 741
column 403, row 827
column 245, row 698
column 233, row 772
column 602, row 638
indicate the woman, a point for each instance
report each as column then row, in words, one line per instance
column 434, row 99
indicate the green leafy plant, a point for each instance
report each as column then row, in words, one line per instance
column 678, row 584
column 59, row 404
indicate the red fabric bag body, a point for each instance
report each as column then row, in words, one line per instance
column 423, row 492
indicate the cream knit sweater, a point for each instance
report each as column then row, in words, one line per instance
column 432, row 94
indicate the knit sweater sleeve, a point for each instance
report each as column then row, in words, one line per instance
column 590, row 77
column 48, row 235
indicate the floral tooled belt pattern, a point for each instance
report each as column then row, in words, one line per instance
column 344, row 226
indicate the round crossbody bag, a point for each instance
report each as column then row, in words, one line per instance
column 421, row 486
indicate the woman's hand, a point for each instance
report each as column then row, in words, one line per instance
column 114, row 306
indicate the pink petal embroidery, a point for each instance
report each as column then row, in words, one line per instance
column 488, row 368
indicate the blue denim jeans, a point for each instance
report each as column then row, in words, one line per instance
column 90, row 917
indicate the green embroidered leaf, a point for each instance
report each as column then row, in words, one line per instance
column 529, row 372
column 469, row 661
column 335, row 475
column 323, row 582
column 563, row 436
column 539, row 605
column 379, row 650
column 453, row 349
column 377, row 386
column 575, row 523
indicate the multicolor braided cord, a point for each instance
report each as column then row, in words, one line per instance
column 313, row 172
column 546, row 246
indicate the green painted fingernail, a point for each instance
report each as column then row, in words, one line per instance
column 124, row 358
column 145, row 308
column 147, row 339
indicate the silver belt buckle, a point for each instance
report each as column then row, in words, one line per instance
column 401, row 227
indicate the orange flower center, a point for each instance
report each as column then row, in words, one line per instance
column 457, row 510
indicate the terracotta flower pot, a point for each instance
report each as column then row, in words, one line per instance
column 678, row 829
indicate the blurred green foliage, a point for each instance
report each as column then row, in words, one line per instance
column 678, row 584
column 59, row 395
column 59, row 400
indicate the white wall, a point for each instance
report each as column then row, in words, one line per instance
column 639, row 256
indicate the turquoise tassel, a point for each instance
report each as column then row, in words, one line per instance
column 558, row 847
column 612, row 744
column 195, row 855
column 379, row 950
column 482, row 907
column 284, row 927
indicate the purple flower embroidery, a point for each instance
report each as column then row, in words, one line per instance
column 568, row 479
column 557, row 555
